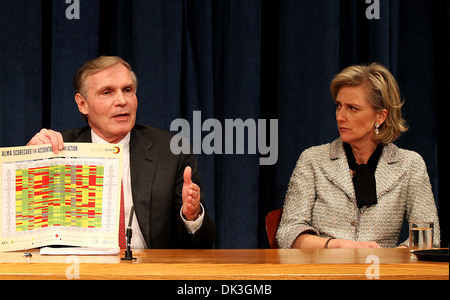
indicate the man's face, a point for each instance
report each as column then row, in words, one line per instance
column 110, row 102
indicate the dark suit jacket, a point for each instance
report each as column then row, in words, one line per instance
column 157, row 180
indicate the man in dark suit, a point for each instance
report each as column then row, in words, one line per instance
column 164, row 188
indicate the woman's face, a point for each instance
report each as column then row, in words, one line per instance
column 355, row 116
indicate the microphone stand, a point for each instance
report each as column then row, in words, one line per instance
column 129, row 234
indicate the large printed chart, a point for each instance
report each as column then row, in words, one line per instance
column 67, row 199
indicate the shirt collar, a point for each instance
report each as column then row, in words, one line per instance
column 98, row 140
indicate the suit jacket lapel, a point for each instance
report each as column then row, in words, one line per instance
column 337, row 171
column 387, row 174
column 142, row 168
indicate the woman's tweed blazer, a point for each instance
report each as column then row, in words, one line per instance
column 321, row 198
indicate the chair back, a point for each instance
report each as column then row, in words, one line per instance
column 272, row 221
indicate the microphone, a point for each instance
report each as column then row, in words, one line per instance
column 129, row 234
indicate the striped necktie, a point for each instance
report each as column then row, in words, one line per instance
column 122, row 240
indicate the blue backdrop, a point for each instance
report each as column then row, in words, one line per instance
column 230, row 59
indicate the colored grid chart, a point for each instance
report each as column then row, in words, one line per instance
column 59, row 195
column 68, row 199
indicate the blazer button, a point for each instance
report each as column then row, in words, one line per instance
column 353, row 223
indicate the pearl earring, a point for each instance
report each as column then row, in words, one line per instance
column 377, row 125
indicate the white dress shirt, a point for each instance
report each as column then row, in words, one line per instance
column 138, row 241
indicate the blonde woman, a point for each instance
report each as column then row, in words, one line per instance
column 357, row 191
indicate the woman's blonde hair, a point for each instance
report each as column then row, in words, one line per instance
column 383, row 93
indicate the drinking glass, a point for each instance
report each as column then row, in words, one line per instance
column 421, row 235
